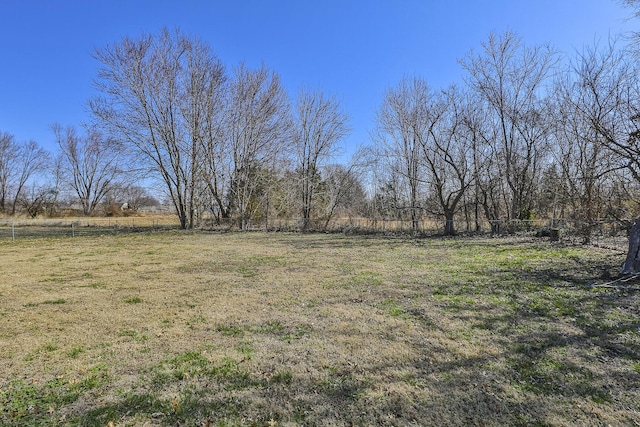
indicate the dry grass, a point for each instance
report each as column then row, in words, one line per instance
column 177, row 328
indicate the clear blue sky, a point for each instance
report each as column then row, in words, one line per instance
column 355, row 49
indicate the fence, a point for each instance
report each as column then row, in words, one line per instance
column 611, row 234
column 608, row 233
column 77, row 227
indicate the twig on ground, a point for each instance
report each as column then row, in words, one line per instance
column 611, row 284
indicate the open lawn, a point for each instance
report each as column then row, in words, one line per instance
column 197, row 329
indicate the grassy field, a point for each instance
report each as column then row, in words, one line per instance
column 174, row 328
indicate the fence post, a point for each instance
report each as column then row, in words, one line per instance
column 13, row 231
column 73, row 229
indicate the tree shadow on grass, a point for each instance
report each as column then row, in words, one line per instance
column 558, row 347
column 203, row 401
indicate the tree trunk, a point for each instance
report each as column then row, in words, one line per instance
column 449, row 228
column 632, row 263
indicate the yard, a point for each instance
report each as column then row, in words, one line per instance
column 256, row 329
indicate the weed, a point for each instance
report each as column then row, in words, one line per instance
column 298, row 332
column 47, row 302
column 75, row 352
column 55, row 279
column 230, row 330
column 393, row 308
column 246, row 350
column 282, row 376
column 285, row 332
column 341, row 386
column 274, row 327
column 50, row 347
column 98, row 285
column 247, row 272
column 364, row 278
column 133, row 334
column 311, row 304
column 194, row 320
column 133, row 300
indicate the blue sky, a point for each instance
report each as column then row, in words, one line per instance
column 352, row 49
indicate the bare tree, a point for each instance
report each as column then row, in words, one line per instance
column 216, row 155
column 129, row 197
column 634, row 4
column 18, row 164
column 38, row 199
column 137, row 197
column 510, row 77
column 446, row 154
column 320, row 126
column 159, row 96
column 8, row 154
column 342, row 187
column 590, row 113
column 258, row 129
column 386, row 201
column 487, row 181
column 32, row 160
column 203, row 109
column 89, row 164
column 402, row 122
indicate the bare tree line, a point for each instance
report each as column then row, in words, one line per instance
column 529, row 133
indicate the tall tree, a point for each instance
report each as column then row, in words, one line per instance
column 8, row 154
column 90, row 164
column 402, row 122
column 487, row 182
column 320, row 126
column 18, row 163
column 446, row 154
column 510, row 78
column 590, row 114
column 258, row 130
column 159, row 96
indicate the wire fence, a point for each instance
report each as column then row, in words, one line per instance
column 11, row 229
column 611, row 234
column 605, row 233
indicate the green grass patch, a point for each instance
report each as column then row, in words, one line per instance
column 28, row 403
column 57, row 301
column 392, row 308
column 194, row 364
column 133, row 335
column 285, row 332
column 282, row 376
column 247, row 272
column 75, row 352
column 230, row 330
